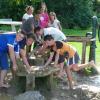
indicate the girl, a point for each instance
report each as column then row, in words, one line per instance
column 44, row 18
column 54, row 22
column 29, row 13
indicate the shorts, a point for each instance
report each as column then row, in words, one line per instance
column 64, row 40
column 60, row 60
column 74, row 60
column 4, row 61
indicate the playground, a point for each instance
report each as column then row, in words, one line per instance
column 88, row 87
column 50, row 50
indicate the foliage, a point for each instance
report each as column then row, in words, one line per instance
column 72, row 12
column 96, row 7
column 15, row 8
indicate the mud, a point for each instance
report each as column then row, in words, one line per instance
column 87, row 88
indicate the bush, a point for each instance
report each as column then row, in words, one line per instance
column 15, row 8
column 72, row 13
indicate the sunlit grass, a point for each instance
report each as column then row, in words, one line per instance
column 78, row 45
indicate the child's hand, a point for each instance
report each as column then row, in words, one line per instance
column 44, row 66
column 55, row 65
column 14, row 67
column 28, row 69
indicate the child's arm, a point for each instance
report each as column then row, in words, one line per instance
column 42, row 48
column 56, row 59
column 60, row 26
column 49, row 60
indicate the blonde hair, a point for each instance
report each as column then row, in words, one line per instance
column 29, row 7
column 53, row 14
column 43, row 4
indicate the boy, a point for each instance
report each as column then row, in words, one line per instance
column 13, row 44
column 63, row 51
column 8, row 44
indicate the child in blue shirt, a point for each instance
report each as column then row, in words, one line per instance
column 9, row 43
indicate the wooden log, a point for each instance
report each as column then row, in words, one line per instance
column 78, row 39
column 21, row 66
column 30, row 82
column 36, row 61
column 41, row 74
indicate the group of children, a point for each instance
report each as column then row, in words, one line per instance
column 41, row 18
column 46, row 33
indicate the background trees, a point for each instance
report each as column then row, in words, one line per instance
column 71, row 13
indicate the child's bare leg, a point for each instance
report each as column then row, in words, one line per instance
column 2, row 77
column 77, row 67
column 69, row 76
column 60, row 74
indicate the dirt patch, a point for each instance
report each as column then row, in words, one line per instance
column 87, row 88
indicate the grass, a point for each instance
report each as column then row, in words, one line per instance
column 79, row 32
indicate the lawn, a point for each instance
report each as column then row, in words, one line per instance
column 79, row 32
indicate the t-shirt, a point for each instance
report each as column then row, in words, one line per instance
column 22, row 43
column 56, row 33
column 44, row 19
column 27, row 16
column 55, row 24
column 64, row 48
column 8, row 39
column 27, row 25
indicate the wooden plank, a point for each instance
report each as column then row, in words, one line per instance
column 39, row 72
column 10, row 22
column 78, row 39
column 30, row 82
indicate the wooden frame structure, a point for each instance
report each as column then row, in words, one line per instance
column 84, row 40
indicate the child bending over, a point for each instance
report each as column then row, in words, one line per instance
column 60, row 52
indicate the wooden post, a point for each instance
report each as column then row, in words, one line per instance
column 83, row 52
column 30, row 82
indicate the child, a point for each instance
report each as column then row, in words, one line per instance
column 29, row 13
column 44, row 18
column 54, row 22
column 9, row 43
column 63, row 51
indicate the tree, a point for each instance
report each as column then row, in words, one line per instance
column 72, row 12
column 96, row 7
column 15, row 8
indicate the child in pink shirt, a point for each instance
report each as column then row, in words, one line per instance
column 44, row 17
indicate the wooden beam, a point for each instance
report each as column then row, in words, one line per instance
column 83, row 52
column 78, row 39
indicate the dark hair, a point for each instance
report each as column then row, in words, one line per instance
column 30, row 36
column 29, row 7
column 22, row 32
column 37, row 29
column 48, row 37
column 59, row 44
